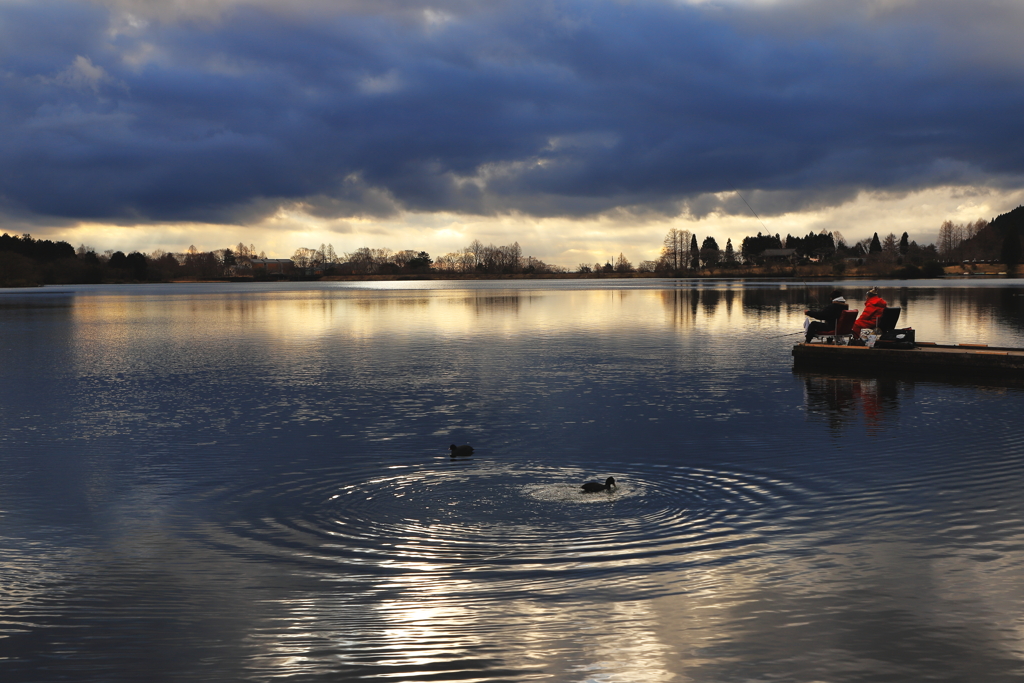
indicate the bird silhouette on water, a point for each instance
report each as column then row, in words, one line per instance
column 596, row 486
column 461, row 451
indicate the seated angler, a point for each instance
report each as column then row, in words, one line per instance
column 873, row 307
column 827, row 316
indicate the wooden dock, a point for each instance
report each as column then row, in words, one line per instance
column 926, row 358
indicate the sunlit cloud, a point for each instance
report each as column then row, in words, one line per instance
column 560, row 241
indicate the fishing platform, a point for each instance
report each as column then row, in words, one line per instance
column 896, row 351
column 965, row 360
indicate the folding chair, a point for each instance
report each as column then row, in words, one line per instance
column 843, row 330
column 887, row 321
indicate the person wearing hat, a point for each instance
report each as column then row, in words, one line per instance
column 873, row 307
column 828, row 316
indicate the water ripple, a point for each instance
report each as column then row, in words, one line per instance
column 505, row 520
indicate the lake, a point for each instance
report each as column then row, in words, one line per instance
column 217, row 482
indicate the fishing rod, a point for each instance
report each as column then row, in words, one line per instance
column 752, row 211
column 809, row 296
column 807, row 289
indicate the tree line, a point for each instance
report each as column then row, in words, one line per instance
column 996, row 241
column 26, row 261
column 680, row 253
column 476, row 258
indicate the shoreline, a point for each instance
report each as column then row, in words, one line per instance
column 796, row 273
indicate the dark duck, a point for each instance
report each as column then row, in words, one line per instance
column 596, row 486
column 461, row 451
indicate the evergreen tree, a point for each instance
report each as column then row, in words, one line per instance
column 118, row 260
column 730, row 255
column 876, row 245
column 709, row 251
column 1011, row 250
column 752, row 247
column 138, row 265
column 694, row 254
column 421, row 261
column 904, row 244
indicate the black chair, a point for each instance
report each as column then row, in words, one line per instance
column 887, row 321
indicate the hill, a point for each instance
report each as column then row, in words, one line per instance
column 988, row 243
column 1013, row 220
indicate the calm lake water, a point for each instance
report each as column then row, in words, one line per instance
column 253, row 482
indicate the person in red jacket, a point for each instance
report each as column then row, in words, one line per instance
column 873, row 307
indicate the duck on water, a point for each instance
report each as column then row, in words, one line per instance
column 596, row 486
column 461, row 451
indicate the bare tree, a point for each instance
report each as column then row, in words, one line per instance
column 467, row 259
column 402, row 258
column 304, row 258
column 676, row 249
column 447, row 263
column 891, row 247
column 514, row 257
column 950, row 237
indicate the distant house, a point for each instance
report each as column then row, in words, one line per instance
column 778, row 255
column 270, row 266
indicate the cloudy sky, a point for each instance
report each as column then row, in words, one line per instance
column 579, row 128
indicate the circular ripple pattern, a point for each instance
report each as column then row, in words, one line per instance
column 484, row 517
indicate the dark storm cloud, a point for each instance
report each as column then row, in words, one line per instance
column 542, row 108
